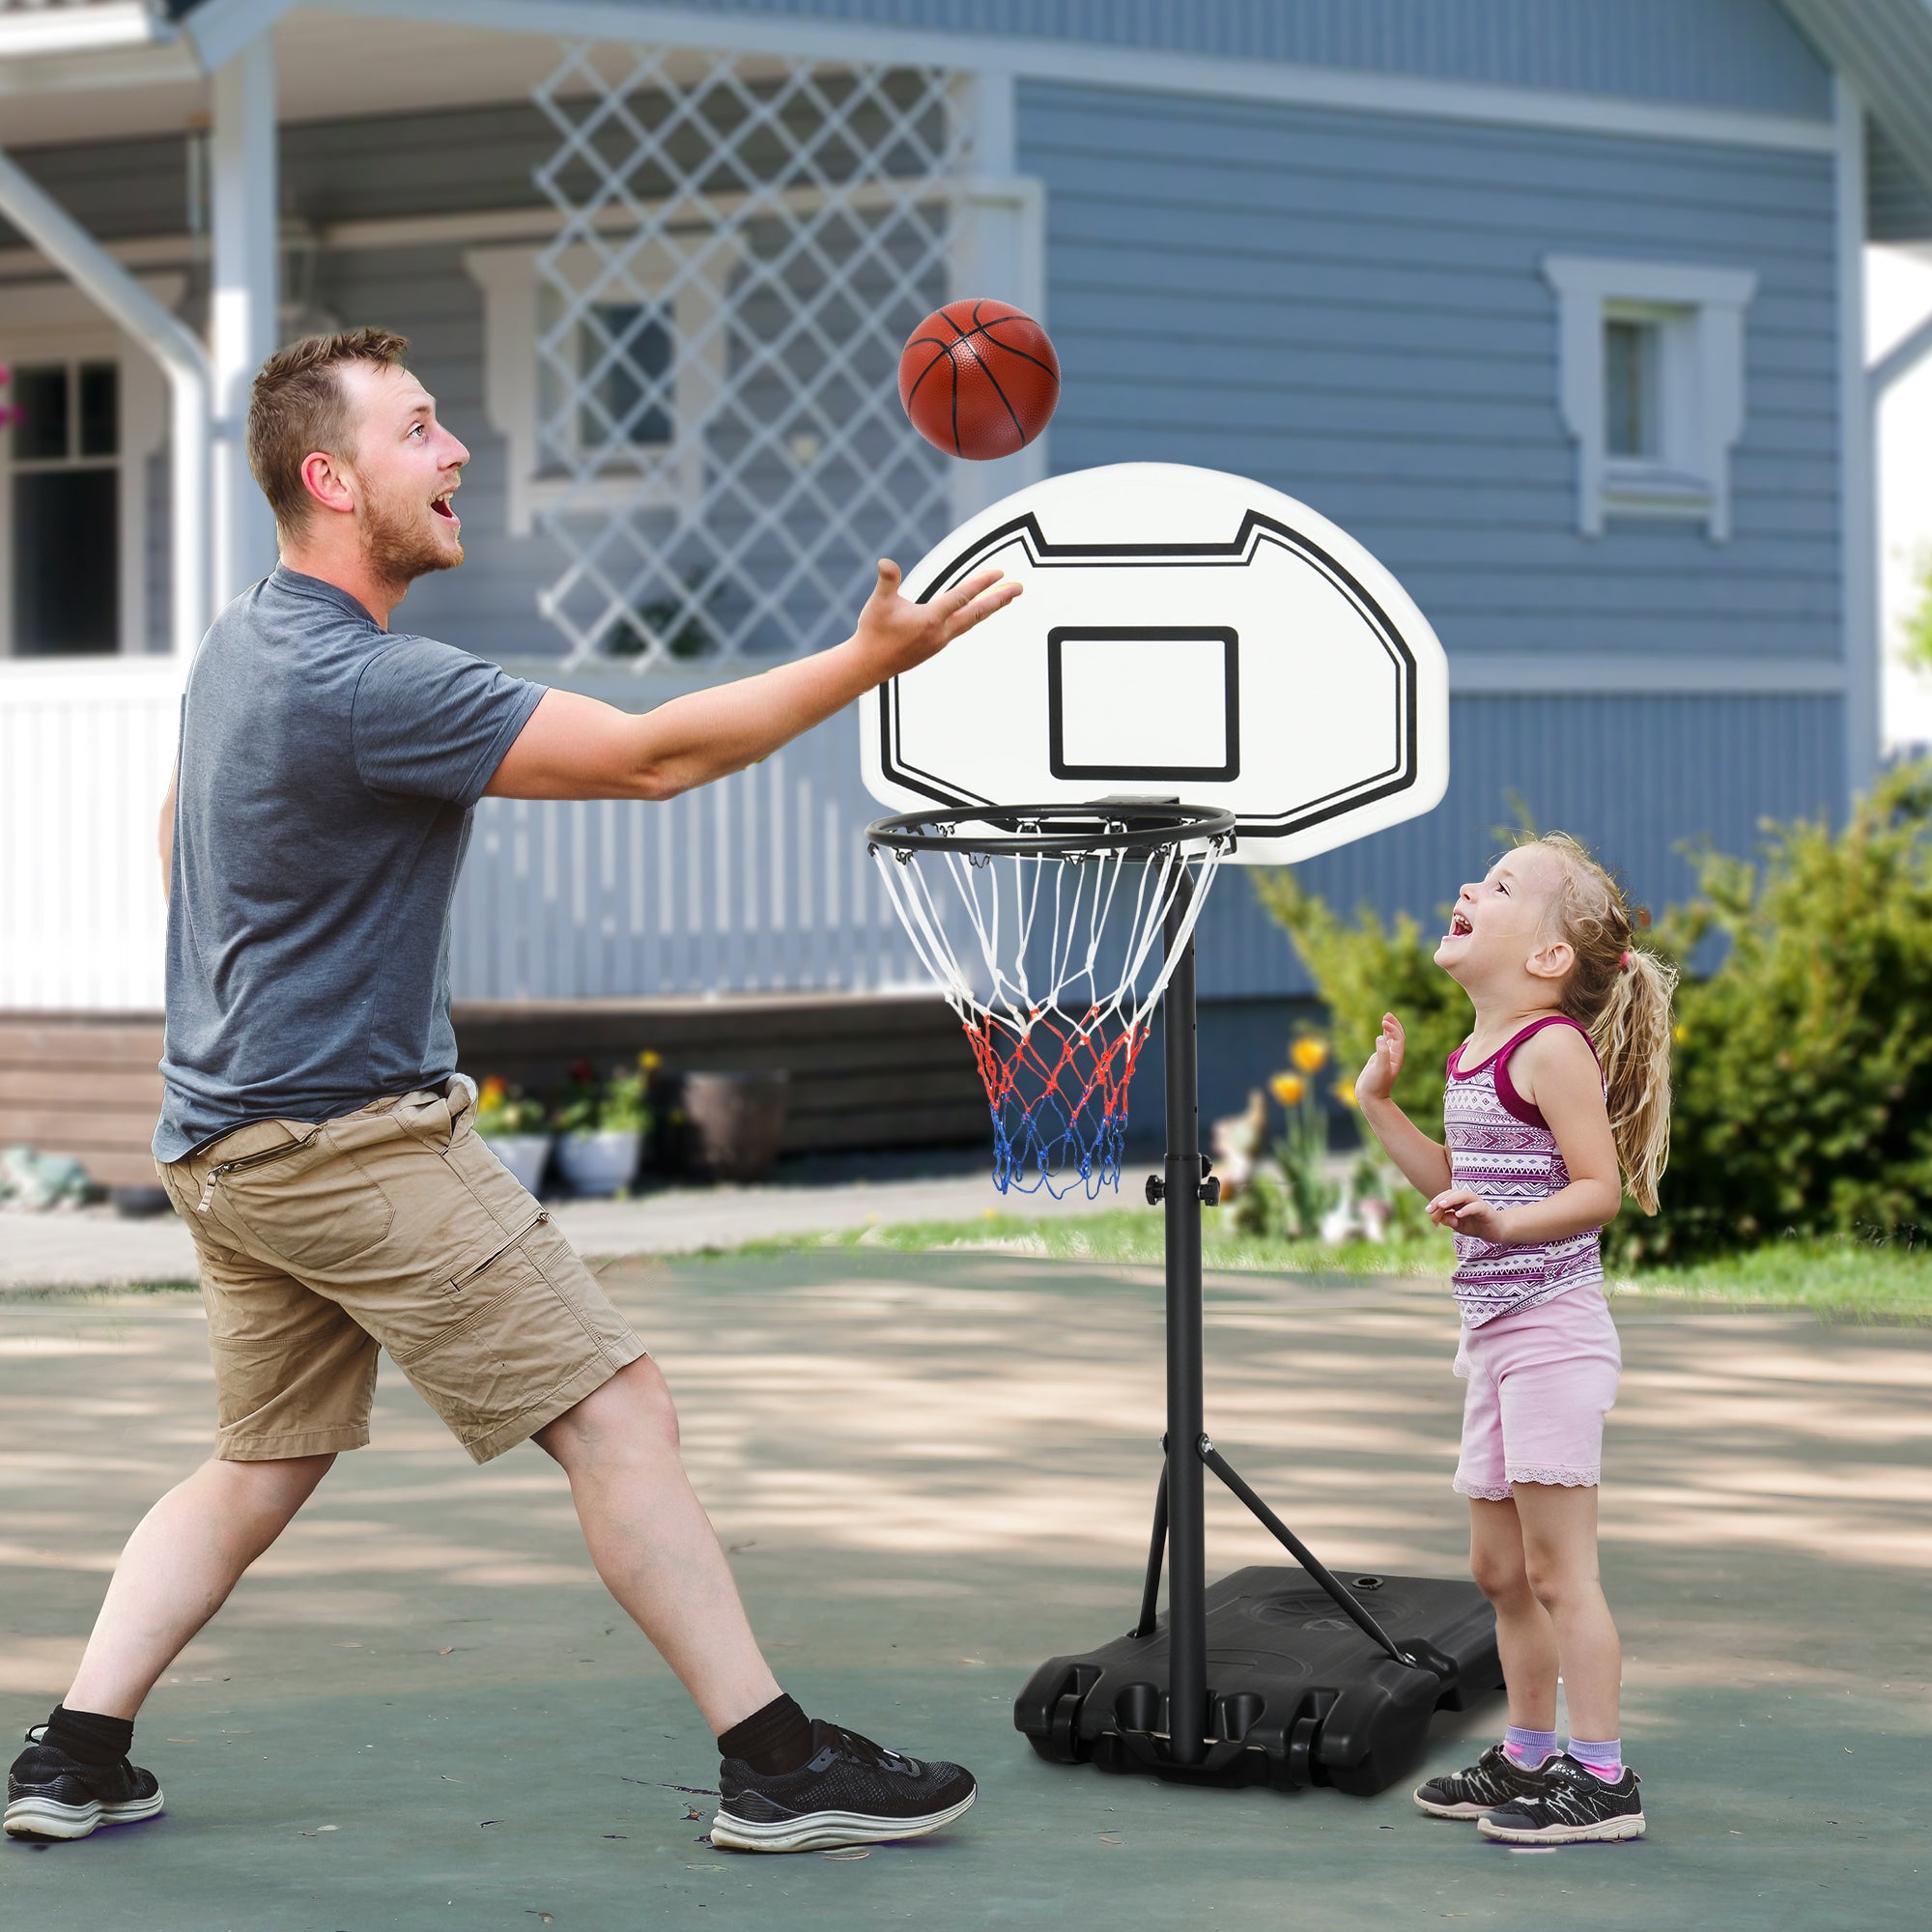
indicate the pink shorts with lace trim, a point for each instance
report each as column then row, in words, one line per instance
column 1541, row 1381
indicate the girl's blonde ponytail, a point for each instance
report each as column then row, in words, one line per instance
column 1622, row 994
column 1633, row 1040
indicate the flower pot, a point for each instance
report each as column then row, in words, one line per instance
column 598, row 1164
column 525, row 1155
column 736, row 1123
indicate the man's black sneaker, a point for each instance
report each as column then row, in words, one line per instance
column 1495, row 1779
column 1575, row 1808
column 50, row 1795
column 851, row 1792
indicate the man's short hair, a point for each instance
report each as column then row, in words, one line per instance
column 298, row 406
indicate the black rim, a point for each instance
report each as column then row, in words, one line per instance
column 1133, row 827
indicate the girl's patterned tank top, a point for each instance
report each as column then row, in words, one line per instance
column 1502, row 1146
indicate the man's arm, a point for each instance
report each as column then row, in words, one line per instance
column 167, row 835
column 576, row 746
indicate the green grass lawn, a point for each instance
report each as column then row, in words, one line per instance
column 1842, row 1280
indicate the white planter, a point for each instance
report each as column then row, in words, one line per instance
column 598, row 1164
column 524, row 1155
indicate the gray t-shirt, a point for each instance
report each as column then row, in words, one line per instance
column 322, row 807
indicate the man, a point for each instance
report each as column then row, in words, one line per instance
column 315, row 1141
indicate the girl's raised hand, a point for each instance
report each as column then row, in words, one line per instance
column 1463, row 1212
column 1376, row 1079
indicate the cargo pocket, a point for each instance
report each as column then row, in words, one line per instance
column 505, row 1339
column 498, row 1191
column 309, row 1203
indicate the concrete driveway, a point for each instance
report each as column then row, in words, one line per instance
column 423, row 1712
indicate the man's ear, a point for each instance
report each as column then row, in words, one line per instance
column 327, row 479
column 1552, row 961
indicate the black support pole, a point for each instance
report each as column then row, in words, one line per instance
column 1186, row 1543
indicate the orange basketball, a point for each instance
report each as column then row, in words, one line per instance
column 978, row 379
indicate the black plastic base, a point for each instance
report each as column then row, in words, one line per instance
column 1296, row 1694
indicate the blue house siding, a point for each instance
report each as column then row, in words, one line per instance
column 1353, row 310
column 1637, row 777
column 1725, row 53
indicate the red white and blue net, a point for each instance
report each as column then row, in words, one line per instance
column 1055, row 962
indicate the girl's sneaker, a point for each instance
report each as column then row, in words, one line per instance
column 853, row 1792
column 1495, row 1779
column 50, row 1795
column 1574, row 1808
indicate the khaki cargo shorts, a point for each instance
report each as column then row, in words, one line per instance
column 394, row 1227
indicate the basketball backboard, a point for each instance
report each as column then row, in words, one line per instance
column 1185, row 634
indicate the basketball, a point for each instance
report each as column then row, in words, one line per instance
column 978, row 379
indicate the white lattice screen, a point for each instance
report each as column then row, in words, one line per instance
column 745, row 244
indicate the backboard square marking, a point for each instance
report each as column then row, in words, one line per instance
column 1152, row 702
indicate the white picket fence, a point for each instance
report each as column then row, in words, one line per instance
column 85, row 752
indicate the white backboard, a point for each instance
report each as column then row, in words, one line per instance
column 1185, row 634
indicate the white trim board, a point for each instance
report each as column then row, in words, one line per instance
column 1092, row 64
column 1557, row 673
column 1858, row 496
column 1552, row 673
column 42, row 31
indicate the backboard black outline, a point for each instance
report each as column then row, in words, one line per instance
column 1256, row 529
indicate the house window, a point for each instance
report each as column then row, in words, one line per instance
column 1633, row 423
column 65, row 534
column 604, row 389
column 598, row 402
column 623, row 360
column 1650, row 359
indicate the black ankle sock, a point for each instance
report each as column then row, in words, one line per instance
column 89, row 1738
column 773, row 1741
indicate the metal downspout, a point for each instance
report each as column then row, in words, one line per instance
column 55, row 232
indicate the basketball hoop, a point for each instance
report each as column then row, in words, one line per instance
column 1070, row 919
column 1176, row 623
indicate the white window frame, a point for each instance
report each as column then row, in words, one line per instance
column 47, row 322
column 1698, row 313
column 512, row 300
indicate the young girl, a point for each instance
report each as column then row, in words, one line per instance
column 1562, row 1082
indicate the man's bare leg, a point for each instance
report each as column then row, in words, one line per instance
column 654, row 1545
column 184, row 1559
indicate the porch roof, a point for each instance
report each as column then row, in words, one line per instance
column 81, row 69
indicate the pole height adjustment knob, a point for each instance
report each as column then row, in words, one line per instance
column 1211, row 1191
column 1156, row 1190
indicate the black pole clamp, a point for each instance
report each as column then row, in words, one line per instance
column 1210, row 1190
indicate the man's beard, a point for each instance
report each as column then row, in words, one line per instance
column 399, row 549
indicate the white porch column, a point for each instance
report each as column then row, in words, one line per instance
column 242, row 320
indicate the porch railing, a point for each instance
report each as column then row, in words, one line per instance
column 85, row 754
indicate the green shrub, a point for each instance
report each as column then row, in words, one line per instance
column 1803, row 1069
column 1803, row 1064
column 1363, row 969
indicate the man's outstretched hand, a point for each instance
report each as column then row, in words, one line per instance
column 896, row 634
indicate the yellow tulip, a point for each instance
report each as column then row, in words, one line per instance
column 1344, row 1092
column 1309, row 1054
column 1288, row 1089
column 650, row 1060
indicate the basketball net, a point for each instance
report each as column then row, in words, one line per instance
column 1063, row 967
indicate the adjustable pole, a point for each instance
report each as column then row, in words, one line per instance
column 1186, row 1537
